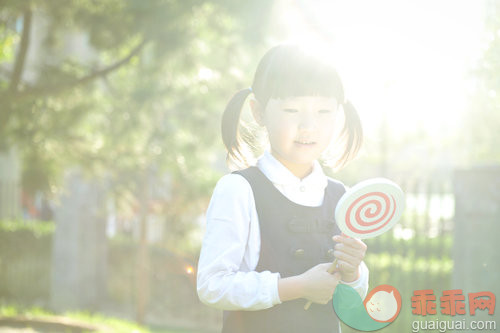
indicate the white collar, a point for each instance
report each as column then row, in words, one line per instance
column 278, row 174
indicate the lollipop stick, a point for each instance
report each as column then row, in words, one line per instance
column 332, row 267
column 330, row 270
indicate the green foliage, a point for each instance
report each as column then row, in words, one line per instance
column 25, row 253
column 38, row 229
column 135, row 100
column 7, row 46
column 128, row 91
column 481, row 136
column 414, row 264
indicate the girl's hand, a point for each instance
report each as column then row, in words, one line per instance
column 349, row 252
column 318, row 285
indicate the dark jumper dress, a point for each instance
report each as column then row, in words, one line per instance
column 294, row 238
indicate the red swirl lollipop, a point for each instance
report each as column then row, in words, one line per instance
column 370, row 208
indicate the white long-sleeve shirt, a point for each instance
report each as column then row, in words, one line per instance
column 230, row 251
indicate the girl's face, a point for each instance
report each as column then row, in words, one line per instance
column 300, row 129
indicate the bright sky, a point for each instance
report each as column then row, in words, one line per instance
column 407, row 59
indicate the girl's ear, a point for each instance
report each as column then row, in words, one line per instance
column 257, row 112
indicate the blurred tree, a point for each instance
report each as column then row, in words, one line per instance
column 481, row 130
column 123, row 89
column 127, row 91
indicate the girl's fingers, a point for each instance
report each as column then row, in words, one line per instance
column 352, row 243
column 347, row 267
column 355, row 252
column 345, row 257
column 349, row 252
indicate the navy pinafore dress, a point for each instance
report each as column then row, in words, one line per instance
column 294, row 238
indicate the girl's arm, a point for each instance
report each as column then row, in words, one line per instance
column 290, row 288
column 361, row 284
column 226, row 278
column 350, row 253
column 316, row 284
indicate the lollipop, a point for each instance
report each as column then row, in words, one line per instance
column 368, row 209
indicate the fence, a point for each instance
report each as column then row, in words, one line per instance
column 26, row 268
column 415, row 255
column 172, row 298
column 25, row 261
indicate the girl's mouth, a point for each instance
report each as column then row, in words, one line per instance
column 304, row 142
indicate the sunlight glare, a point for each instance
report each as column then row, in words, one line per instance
column 404, row 61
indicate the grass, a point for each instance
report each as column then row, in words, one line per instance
column 40, row 228
column 112, row 324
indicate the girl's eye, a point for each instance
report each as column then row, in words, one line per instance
column 325, row 111
column 288, row 110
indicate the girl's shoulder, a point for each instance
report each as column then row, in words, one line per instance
column 336, row 185
column 335, row 182
column 233, row 185
column 232, row 195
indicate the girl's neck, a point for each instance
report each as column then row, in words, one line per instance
column 299, row 170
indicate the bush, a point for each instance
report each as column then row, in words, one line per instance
column 25, row 260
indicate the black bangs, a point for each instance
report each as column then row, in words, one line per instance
column 288, row 71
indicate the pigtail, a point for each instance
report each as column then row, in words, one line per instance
column 230, row 124
column 352, row 134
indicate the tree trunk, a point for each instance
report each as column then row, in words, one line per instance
column 10, row 183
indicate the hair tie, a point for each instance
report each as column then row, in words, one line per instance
column 250, row 89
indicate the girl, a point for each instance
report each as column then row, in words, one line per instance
column 268, row 243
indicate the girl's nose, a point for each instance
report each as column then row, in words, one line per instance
column 307, row 121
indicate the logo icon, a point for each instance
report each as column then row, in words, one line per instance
column 380, row 308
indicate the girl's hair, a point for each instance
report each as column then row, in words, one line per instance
column 288, row 71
